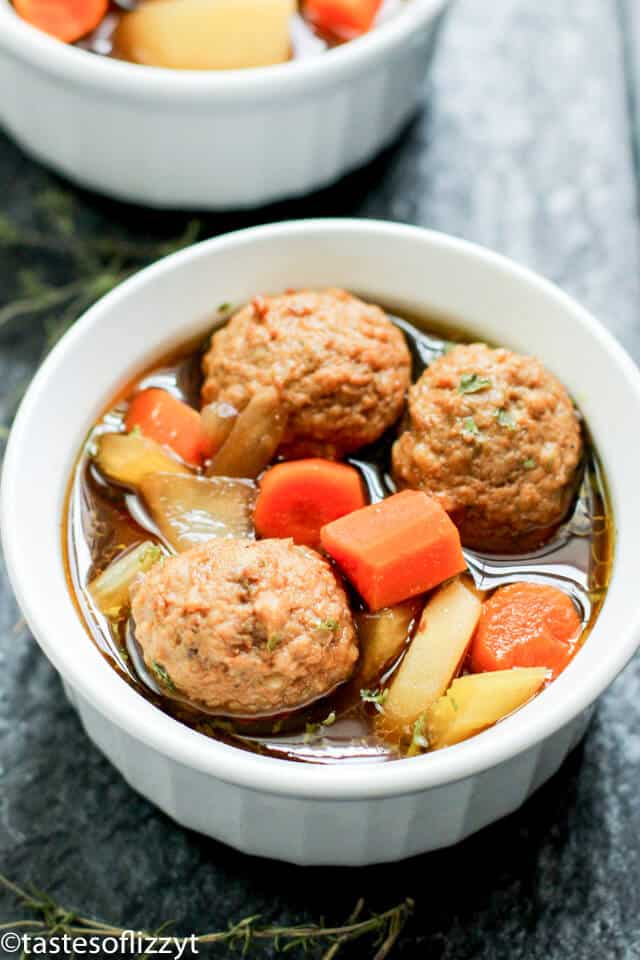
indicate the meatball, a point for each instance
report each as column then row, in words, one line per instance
column 342, row 367
column 244, row 627
column 495, row 437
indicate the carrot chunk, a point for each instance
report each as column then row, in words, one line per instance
column 525, row 625
column 297, row 498
column 67, row 20
column 344, row 19
column 167, row 420
column 395, row 549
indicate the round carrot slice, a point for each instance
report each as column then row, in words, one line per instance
column 525, row 625
column 299, row 497
column 66, row 20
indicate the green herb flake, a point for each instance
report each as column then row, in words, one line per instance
column 311, row 732
column 505, row 419
column 135, row 431
column 224, row 307
column 273, row 641
column 163, row 676
column 470, row 427
column 419, row 740
column 152, row 554
column 529, row 464
column 377, row 697
column 330, row 720
column 472, row 383
column 277, row 727
column 329, row 625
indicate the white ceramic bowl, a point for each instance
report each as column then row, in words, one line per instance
column 345, row 813
column 211, row 140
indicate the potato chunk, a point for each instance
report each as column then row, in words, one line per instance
column 206, row 34
column 434, row 657
column 477, row 701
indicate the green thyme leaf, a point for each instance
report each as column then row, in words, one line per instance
column 330, row 625
column 163, row 676
column 224, row 307
column 472, row 383
column 274, row 640
column 529, row 464
column 505, row 419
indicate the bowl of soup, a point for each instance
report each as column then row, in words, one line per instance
column 211, row 104
column 324, row 526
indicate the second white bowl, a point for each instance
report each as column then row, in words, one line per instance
column 208, row 139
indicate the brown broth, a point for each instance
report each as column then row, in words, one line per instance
column 102, row 519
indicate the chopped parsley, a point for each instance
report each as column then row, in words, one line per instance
column 311, row 731
column 224, row 307
column 505, row 419
column 377, row 697
column 274, row 640
column 419, row 740
column 163, row 676
column 470, row 427
column 330, row 625
column 135, row 431
column 529, row 464
column 472, row 383
column 330, row 720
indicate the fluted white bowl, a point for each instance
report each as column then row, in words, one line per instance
column 347, row 813
column 211, row 139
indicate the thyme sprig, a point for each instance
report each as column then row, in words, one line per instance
column 91, row 264
column 383, row 928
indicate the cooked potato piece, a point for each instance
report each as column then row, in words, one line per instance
column 110, row 589
column 127, row 458
column 477, row 701
column 206, row 34
column 254, row 439
column 382, row 637
column 436, row 652
column 191, row 510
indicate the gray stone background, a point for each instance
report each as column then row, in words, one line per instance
column 525, row 142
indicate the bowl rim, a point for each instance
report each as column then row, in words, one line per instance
column 137, row 717
column 255, row 83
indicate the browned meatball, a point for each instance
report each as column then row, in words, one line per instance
column 495, row 437
column 343, row 368
column 244, row 627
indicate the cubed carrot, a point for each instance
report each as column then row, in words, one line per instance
column 395, row 549
column 162, row 417
column 344, row 19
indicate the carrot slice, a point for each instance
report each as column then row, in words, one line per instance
column 167, row 420
column 525, row 625
column 345, row 19
column 395, row 549
column 297, row 498
column 67, row 20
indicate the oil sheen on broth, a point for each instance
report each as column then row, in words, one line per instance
column 102, row 519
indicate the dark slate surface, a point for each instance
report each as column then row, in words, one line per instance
column 524, row 144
